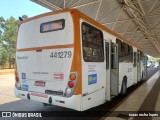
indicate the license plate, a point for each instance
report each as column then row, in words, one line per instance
column 39, row 83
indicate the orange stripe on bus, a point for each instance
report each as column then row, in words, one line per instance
column 46, row 47
column 77, row 58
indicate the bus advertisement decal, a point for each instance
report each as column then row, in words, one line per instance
column 25, row 87
column 92, row 79
column 39, row 83
column 91, row 68
column 58, row 76
column 39, row 95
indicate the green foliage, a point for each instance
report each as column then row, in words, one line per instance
column 155, row 59
column 8, row 31
column 3, row 58
column 2, row 24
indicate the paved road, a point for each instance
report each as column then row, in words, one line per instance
column 8, row 101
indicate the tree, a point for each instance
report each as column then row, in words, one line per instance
column 3, row 58
column 8, row 32
column 155, row 59
column 9, row 37
column 2, row 53
column 2, row 24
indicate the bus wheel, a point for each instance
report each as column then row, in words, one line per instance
column 124, row 86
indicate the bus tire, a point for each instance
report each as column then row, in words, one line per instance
column 124, row 86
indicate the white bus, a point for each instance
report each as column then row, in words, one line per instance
column 65, row 58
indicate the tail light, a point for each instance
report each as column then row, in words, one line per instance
column 72, row 76
column 17, row 79
column 17, row 82
column 71, row 84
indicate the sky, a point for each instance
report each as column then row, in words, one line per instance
column 18, row 8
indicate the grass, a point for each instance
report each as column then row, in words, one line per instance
column 6, row 71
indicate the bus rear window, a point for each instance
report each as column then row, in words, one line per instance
column 52, row 26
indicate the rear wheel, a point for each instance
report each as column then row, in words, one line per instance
column 124, row 86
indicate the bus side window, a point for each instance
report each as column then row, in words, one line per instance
column 141, row 56
column 113, row 57
column 138, row 58
column 107, row 55
column 135, row 63
column 92, row 43
column 131, row 53
column 120, row 53
column 125, row 49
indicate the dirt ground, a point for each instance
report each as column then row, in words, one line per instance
column 7, row 82
column 6, row 71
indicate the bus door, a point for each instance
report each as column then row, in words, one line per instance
column 138, row 67
column 108, row 70
column 135, row 67
column 114, row 70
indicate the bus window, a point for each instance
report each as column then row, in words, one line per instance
column 120, row 53
column 141, row 56
column 135, row 57
column 87, row 53
column 125, row 50
column 107, row 55
column 131, row 53
column 113, row 57
column 138, row 58
column 92, row 43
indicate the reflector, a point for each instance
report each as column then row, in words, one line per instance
column 70, row 84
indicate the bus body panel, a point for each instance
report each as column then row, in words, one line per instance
column 126, row 69
column 39, row 66
column 45, row 58
column 73, row 102
column 31, row 37
column 94, row 93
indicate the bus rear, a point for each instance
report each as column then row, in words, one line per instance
column 45, row 49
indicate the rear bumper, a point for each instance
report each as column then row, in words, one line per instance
column 73, row 102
